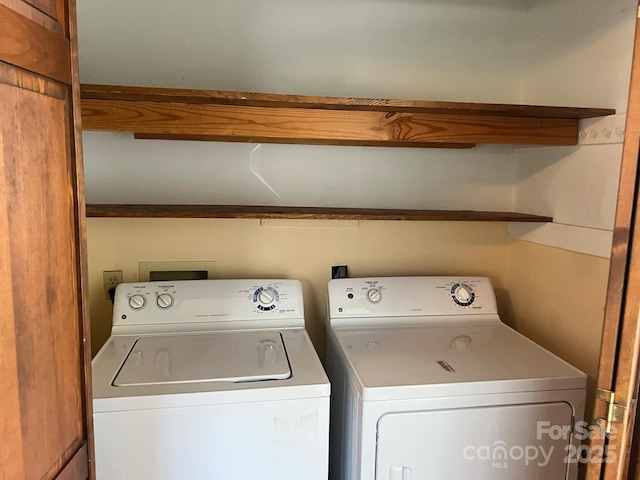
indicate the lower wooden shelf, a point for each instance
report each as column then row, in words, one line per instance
column 320, row 213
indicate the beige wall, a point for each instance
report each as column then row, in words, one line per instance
column 557, row 298
column 244, row 248
column 553, row 296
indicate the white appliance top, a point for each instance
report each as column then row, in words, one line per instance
column 445, row 360
column 208, row 357
column 427, row 339
column 207, row 305
column 205, row 342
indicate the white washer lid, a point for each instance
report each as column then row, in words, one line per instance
column 444, row 360
column 205, row 357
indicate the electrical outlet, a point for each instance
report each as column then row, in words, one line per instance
column 111, row 279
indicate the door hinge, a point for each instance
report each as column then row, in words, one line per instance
column 616, row 413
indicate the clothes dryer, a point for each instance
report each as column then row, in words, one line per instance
column 429, row 383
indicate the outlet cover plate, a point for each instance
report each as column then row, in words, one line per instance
column 111, row 279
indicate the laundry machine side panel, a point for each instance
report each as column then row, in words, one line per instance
column 346, row 417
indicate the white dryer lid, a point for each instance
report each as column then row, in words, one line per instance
column 204, row 357
column 444, row 360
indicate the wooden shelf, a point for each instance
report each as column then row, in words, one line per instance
column 209, row 115
column 320, row 213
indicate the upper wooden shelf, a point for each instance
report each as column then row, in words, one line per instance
column 304, row 213
column 179, row 114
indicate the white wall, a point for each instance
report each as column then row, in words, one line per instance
column 579, row 52
column 581, row 55
column 431, row 49
column 437, row 50
column 120, row 169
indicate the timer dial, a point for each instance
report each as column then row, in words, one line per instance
column 374, row 295
column 266, row 297
column 137, row 301
column 462, row 294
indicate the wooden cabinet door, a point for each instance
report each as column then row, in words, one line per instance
column 45, row 401
column 615, row 405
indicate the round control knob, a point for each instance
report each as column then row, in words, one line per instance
column 374, row 295
column 266, row 297
column 137, row 301
column 462, row 294
column 164, row 300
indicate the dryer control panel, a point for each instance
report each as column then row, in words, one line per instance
column 410, row 296
column 223, row 304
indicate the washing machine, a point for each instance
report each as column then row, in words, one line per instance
column 210, row 379
column 429, row 383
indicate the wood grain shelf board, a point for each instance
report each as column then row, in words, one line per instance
column 331, row 127
column 247, row 99
column 320, row 213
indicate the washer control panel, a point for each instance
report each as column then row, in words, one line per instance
column 410, row 296
column 142, row 296
column 207, row 301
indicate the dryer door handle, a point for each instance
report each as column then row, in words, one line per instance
column 398, row 471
